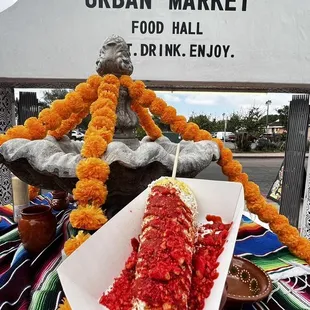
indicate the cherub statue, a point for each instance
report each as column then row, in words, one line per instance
column 114, row 57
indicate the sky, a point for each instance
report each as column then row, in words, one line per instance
column 209, row 103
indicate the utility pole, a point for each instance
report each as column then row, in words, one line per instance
column 268, row 103
column 225, row 126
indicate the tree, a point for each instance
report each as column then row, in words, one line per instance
column 251, row 121
column 204, row 122
column 234, row 123
column 54, row 94
column 271, row 118
column 283, row 115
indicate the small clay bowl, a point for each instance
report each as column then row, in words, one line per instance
column 247, row 283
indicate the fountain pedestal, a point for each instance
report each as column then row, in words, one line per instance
column 51, row 164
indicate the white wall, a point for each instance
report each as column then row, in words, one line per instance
column 268, row 42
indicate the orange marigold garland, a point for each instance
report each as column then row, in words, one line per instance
column 73, row 243
column 91, row 191
column 146, row 121
column 63, row 115
column 256, row 203
column 100, row 133
column 33, row 192
column 138, row 93
column 35, row 128
column 90, row 216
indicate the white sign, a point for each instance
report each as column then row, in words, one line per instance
column 205, row 42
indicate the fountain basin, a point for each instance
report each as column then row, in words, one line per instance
column 51, row 164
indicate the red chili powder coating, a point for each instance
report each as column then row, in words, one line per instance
column 166, row 275
column 165, row 254
column 120, row 297
column 210, row 244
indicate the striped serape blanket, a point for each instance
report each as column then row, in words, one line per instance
column 33, row 283
column 25, row 282
column 291, row 286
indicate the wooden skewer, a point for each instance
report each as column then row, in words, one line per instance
column 176, row 160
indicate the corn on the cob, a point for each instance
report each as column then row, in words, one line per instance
column 164, row 265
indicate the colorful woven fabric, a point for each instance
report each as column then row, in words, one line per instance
column 26, row 282
column 264, row 249
column 33, row 283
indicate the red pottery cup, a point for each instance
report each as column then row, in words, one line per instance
column 37, row 228
column 60, row 200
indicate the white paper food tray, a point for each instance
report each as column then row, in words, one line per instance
column 91, row 269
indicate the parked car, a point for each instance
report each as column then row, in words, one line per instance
column 77, row 134
column 229, row 136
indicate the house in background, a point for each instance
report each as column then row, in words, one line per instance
column 275, row 128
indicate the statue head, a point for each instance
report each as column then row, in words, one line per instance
column 114, row 57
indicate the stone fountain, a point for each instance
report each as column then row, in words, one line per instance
column 134, row 164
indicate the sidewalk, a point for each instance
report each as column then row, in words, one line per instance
column 261, row 155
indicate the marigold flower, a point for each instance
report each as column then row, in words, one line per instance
column 191, row 131
column 33, row 192
column 107, row 135
column 226, row 157
column 111, row 79
column 158, row 106
column 302, row 249
column 109, row 87
column 60, row 107
column 74, row 101
column 252, row 192
column 65, row 305
column 125, row 80
column 69, row 124
column 136, row 89
column 3, row 139
column 87, row 92
column 108, row 95
column 147, row 98
column 146, row 121
column 232, row 169
column 18, row 132
column 278, row 224
column 36, row 129
column 203, row 135
column 169, row 115
column 58, row 133
column 107, row 112
column 90, row 191
column 153, row 131
column 290, row 237
column 93, row 168
column 178, row 126
column 241, row 178
column 255, row 208
column 94, row 146
column 94, row 81
column 269, row 213
column 73, row 243
column 50, row 119
column 65, row 127
column 101, row 103
column 100, row 122
column 87, row 218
